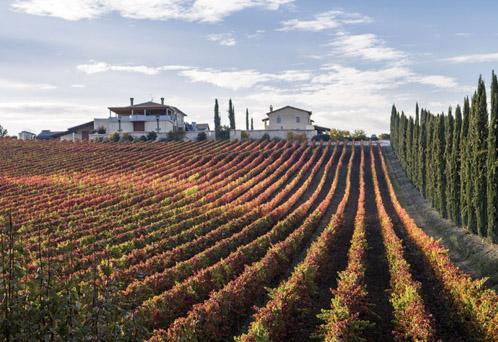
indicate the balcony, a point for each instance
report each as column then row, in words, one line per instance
column 135, row 117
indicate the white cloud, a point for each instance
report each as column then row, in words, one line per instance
column 53, row 115
column 256, row 34
column 12, row 84
column 78, row 86
column 95, row 67
column 240, row 79
column 69, row 9
column 436, row 81
column 366, row 80
column 347, row 97
column 99, row 67
column 234, row 79
column 324, row 21
column 474, row 58
column 225, row 39
column 366, row 46
column 189, row 10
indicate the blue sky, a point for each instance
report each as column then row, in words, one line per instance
column 63, row 62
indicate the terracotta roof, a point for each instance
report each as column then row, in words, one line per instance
column 302, row 110
column 145, row 105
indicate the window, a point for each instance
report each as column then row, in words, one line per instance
column 298, row 119
column 279, row 119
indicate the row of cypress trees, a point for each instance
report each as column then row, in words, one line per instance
column 223, row 131
column 452, row 158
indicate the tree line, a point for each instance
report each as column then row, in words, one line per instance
column 223, row 131
column 452, row 158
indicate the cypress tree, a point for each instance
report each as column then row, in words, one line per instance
column 247, row 119
column 439, row 162
column 394, row 128
column 478, row 140
column 409, row 135
column 415, row 147
column 429, row 172
column 217, row 119
column 471, row 172
column 252, row 124
column 492, row 172
column 454, row 174
column 402, row 138
column 231, row 114
column 448, row 136
column 465, row 165
column 422, row 140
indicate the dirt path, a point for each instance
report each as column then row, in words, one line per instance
column 469, row 252
column 447, row 327
column 377, row 275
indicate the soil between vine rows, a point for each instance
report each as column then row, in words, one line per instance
column 306, row 325
column 377, row 275
column 259, row 302
column 340, row 246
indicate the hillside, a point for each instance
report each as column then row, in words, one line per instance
column 473, row 254
column 181, row 241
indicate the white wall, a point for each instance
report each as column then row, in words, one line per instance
column 26, row 136
column 71, row 137
column 127, row 126
column 278, row 133
column 288, row 119
column 165, row 126
column 98, row 123
column 192, row 135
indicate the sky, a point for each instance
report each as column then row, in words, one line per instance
column 63, row 62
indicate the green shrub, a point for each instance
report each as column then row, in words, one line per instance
column 114, row 137
column 223, row 133
column 126, row 137
column 201, row 136
column 152, row 136
column 297, row 137
column 176, row 135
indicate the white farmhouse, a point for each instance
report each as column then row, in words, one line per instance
column 288, row 118
column 139, row 119
column 282, row 123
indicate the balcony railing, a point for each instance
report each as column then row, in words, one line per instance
column 149, row 118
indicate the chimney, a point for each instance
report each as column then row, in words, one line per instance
column 131, row 101
column 162, row 101
column 271, row 108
